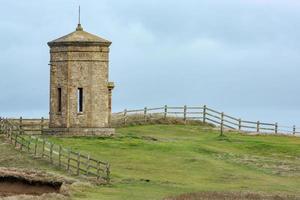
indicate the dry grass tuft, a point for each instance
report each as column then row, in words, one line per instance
column 231, row 196
column 139, row 119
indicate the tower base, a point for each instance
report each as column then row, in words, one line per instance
column 80, row 131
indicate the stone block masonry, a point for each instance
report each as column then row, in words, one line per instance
column 80, row 91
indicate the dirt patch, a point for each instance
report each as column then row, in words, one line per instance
column 231, row 196
column 273, row 165
column 11, row 185
column 14, row 182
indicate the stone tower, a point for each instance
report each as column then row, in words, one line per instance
column 80, row 93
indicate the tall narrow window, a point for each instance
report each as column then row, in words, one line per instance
column 59, row 99
column 80, row 100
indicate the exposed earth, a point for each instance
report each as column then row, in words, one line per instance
column 31, row 184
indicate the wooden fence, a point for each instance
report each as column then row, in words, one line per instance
column 200, row 113
column 30, row 125
column 72, row 161
column 184, row 113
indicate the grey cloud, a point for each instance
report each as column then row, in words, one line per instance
column 234, row 55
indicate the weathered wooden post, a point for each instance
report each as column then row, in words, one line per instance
column 21, row 143
column 11, row 137
column 1, row 125
column 125, row 116
column 145, row 114
column 28, row 144
column 184, row 113
column 78, row 163
column 42, row 124
column 7, row 133
column 88, row 165
column 16, row 138
column 257, row 126
column 222, row 123
column 165, row 111
column 21, row 123
column 35, row 146
column 204, row 113
column 51, row 152
column 10, row 132
column 240, row 124
column 43, row 148
column 294, row 130
column 98, row 170
column 69, row 159
column 276, row 128
column 59, row 156
column 107, row 170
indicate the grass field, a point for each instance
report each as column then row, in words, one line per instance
column 156, row 161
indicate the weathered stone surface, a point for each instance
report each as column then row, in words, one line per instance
column 80, row 60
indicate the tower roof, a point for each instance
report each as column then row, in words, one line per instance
column 79, row 36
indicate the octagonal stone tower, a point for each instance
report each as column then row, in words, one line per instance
column 80, row 93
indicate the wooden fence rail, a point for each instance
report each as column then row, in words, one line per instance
column 185, row 113
column 72, row 161
column 199, row 113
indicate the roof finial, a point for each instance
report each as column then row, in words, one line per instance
column 79, row 15
column 79, row 28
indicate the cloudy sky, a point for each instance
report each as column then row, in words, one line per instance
column 238, row 56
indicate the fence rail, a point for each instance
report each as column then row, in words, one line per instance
column 184, row 113
column 72, row 161
column 203, row 114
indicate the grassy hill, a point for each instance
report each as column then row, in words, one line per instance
column 156, row 161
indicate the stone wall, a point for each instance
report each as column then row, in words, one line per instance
column 79, row 66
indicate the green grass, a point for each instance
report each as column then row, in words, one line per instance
column 10, row 157
column 155, row 161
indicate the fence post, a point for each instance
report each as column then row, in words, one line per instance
column 21, row 123
column 1, row 125
column 42, row 124
column 51, row 152
column 11, row 137
column 98, row 170
column 69, row 158
column 22, row 140
column 59, row 156
column 35, row 145
column 8, row 132
column 240, row 124
column 107, row 170
column 16, row 138
column 294, row 130
column 28, row 144
column 257, row 126
column 88, row 165
column 222, row 123
column 125, row 116
column 145, row 114
column 43, row 148
column 276, row 128
column 184, row 113
column 78, row 163
column 204, row 113
column 165, row 111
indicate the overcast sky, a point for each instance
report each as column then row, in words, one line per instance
column 238, row 56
